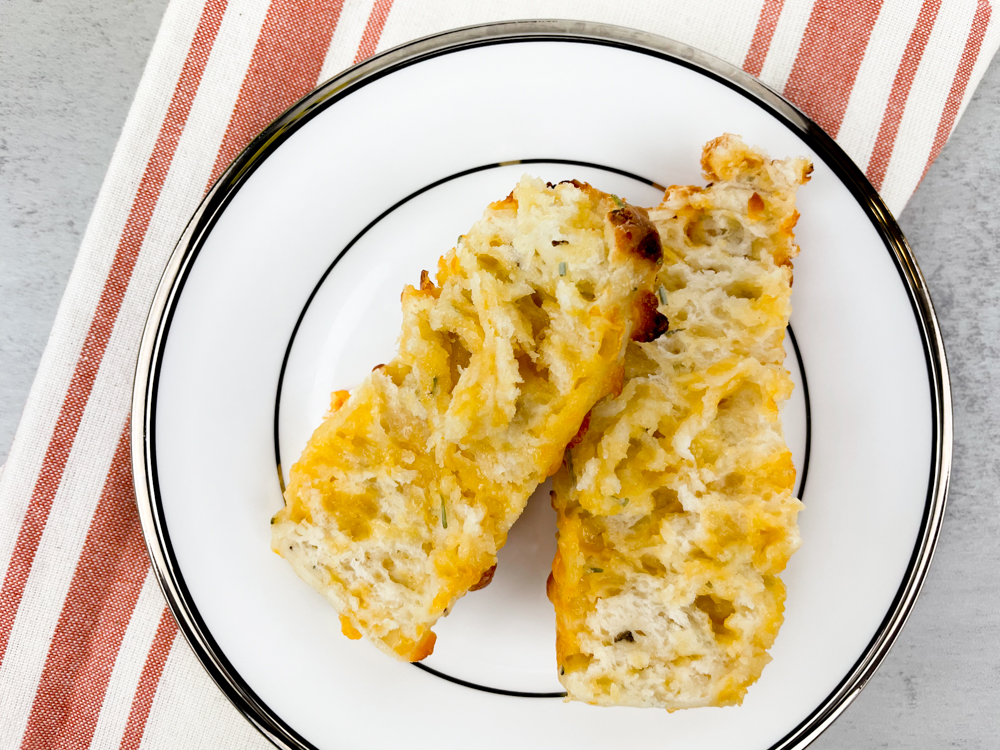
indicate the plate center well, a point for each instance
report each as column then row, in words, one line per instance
column 503, row 637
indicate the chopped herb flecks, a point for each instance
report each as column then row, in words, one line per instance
column 662, row 294
column 562, row 268
column 618, row 201
column 562, row 670
column 434, row 385
column 596, row 570
column 444, row 515
column 624, row 501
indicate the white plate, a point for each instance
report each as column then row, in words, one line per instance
column 286, row 284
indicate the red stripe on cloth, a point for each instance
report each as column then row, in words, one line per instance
column 285, row 64
column 97, row 611
column 762, row 36
column 968, row 60
column 886, row 139
column 149, row 680
column 830, row 54
column 373, row 30
column 103, row 322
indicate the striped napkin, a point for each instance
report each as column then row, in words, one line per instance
column 89, row 657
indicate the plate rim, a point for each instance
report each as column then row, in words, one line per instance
column 164, row 565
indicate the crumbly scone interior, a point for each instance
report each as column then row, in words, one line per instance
column 675, row 508
column 403, row 496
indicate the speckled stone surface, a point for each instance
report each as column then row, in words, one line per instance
column 68, row 71
column 940, row 685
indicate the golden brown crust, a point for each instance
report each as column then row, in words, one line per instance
column 486, row 579
column 650, row 322
column 426, row 285
column 507, row 204
column 574, row 183
column 718, row 162
column 635, row 233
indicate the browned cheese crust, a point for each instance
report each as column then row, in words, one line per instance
column 675, row 506
column 403, row 496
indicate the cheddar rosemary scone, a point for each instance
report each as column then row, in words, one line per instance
column 404, row 495
column 675, row 506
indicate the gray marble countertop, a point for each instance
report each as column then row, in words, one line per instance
column 68, row 72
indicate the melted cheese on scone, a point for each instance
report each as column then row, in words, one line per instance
column 675, row 508
column 404, row 495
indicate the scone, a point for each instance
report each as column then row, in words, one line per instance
column 675, row 507
column 404, row 495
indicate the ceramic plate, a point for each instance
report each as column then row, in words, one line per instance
column 286, row 285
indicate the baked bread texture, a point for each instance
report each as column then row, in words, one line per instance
column 403, row 496
column 675, row 507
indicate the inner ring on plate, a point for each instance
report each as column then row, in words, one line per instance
column 157, row 472
column 522, row 543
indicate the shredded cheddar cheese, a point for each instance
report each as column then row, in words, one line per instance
column 403, row 496
column 675, row 508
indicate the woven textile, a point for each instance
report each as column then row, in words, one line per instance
column 89, row 657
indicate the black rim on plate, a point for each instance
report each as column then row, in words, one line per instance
column 144, row 394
